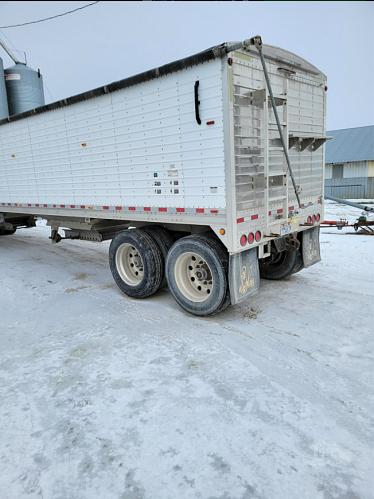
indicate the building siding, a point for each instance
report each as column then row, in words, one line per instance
column 349, row 169
column 346, row 188
column 355, row 169
column 357, row 181
column 370, row 168
column 328, row 172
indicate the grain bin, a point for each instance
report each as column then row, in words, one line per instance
column 24, row 88
column 3, row 97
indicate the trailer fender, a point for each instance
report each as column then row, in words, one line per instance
column 310, row 247
column 244, row 275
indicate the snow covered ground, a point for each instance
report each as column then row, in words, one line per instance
column 106, row 397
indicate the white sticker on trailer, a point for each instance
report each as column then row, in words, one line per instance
column 12, row 76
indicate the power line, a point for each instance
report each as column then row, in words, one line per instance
column 49, row 18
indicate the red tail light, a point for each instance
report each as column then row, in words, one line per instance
column 258, row 236
column 313, row 218
column 243, row 240
column 310, row 220
column 318, row 217
column 251, row 238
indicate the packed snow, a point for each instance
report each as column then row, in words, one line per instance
column 103, row 396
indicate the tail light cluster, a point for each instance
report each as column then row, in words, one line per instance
column 244, row 239
column 313, row 219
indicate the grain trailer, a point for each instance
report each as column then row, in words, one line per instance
column 205, row 173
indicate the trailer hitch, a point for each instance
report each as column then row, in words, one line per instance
column 256, row 41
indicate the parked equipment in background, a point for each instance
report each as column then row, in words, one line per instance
column 362, row 224
column 186, row 168
column 351, row 203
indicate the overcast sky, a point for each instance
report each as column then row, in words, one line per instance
column 112, row 40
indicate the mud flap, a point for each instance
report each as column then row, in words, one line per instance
column 244, row 275
column 310, row 248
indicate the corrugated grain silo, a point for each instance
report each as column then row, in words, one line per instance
column 24, row 88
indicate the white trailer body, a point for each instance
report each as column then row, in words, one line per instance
column 193, row 144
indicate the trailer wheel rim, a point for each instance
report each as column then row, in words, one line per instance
column 193, row 277
column 129, row 264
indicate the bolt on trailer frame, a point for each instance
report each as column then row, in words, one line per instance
column 261, row 108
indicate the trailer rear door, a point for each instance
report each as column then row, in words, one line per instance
column 263, row 185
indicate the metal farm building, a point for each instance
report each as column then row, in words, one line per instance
column 350, row 163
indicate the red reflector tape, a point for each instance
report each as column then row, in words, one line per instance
column 280, row 210
column 62, row 206
column 240, row 220
column 83, row 206
column 147, row 208
column 213, row 211
column 162, row 209
column 105, row 207
column 199, row 210
column 72, row 206
column 254, row 217
column 118, row 208
column 132, row 208
column 180, row 210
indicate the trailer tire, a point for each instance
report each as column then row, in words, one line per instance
column 4, row 232
column 136, row 263
column 165, row 240
column 279, row 265
column 196, row 271
column 299, row 264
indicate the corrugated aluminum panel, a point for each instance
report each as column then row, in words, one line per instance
column 137, row 146
column 370, row 168
column 347, row 188
column 328, row 172
column 355, row 169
